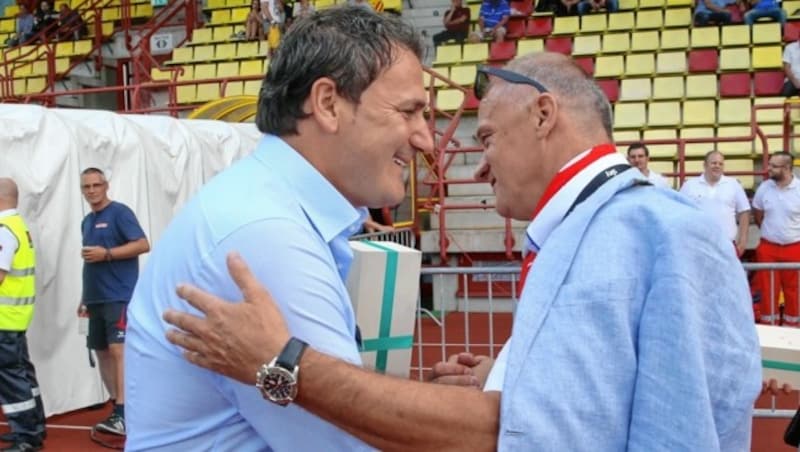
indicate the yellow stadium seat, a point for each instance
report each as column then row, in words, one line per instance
column 791, row 6
column 525, row 46
column 239, row 15
column 774, row 143
column 664, row 167
column 220, row 16
column 644, row 41
column 36, row 85
column 740, row 164
column 22, row 70
column 251, row 67
column 215, row 4
column 204, row 71
column 252, row 87
column 444, row 71
column 625, row 5
column 696, row 149
column 674, row 3
column 629, row 115
column 263, row 48
column 158, row 75
column 651, row 4
column 203, row 53
column 766, row 33
column 247, row 49
column 664, row 114
column 463, row 75
column 626, row 136
column 668, row 88
column 234, row 89
column 11, row 10
column 701, row 86
column 639, row 64
column 222, row 34
column 448, row 54
column 676, row 38
column 734, row 148
column 621, row 21
column 593, row 23
column 735, row 35
column 8, row 26
column 671, row 63
column 39, row 67
column 661, row 150
column 228, row 69
column 62, row 65
column 182, row 54
column 609, row 66
column 586, row 45
column 473, row 53
column 111, row 14
column 568, row 25
column 704, row 37
column 225, row 51
column 699, row 113
column 734, row 59
column 64, row 49
column 771, row 115
column 143, row 10
column 449, row 99
column 734, row 111
column 202, row 36
column 615, row 43
column 187, row 74
column 678, row 17
column 207, row 92
column 769, row 57
column 186, row 94
column 649, row 19
column 19, row 86
column 635, row 89
column 322, row 4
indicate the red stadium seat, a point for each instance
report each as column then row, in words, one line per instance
column 525, row 7
column 539, row 26
column 736, row 14
column 791, row 31
column 734, row 85
column 472, row 102
column 768, row 83
column 515, row 27
column 559, row 44
column 703, row 60
column 609, row 86
column 587, row 63
column 502, row 51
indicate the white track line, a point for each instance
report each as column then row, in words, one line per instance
column 65, row 427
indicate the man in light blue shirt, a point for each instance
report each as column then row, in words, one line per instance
column 342, row 110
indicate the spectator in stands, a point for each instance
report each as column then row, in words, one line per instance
column 253, row 27
column 635, row 313
column 712, row 11
column 723, row 198
column 791, row 67
column 593, row 6
column 776, row 208
column 639, row 157
column 492, row 20
column 302, row 8
column 456, row 24
column 25, row 26
column 558, row 7
column 272, row 12
column 71, row 24
column 764, row 8
column 43, row 17
column 376, row 222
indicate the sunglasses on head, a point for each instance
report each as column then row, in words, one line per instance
column 482, row 80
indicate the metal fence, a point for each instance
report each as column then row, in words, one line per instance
column 403, row 236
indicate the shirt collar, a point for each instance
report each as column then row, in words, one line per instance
column 7, row 212
column 328, row 210
column 554, row 211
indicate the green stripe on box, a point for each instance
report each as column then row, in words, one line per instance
column 780, row 365
column 387, row 303
column 387, row 343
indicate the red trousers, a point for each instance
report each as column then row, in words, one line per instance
column 774, row 282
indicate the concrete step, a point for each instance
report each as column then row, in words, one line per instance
column 473, row 219
column 471, row 241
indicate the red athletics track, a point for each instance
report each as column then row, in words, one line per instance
column 70, row 432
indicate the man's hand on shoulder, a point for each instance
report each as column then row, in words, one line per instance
column 463, row 369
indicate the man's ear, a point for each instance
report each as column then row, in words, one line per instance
column 323, row 103
column 546, row 113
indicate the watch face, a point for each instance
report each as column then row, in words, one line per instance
column 277, row 384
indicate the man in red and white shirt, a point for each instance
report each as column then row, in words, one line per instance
column 723, row 197
column 776, row 207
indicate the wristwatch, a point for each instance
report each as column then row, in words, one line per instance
column 277, row 380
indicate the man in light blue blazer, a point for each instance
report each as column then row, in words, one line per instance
column 634, row 330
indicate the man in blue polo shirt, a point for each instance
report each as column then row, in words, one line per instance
column 492, row 20
column 112, row 243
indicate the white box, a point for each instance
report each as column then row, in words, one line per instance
column 383, row 283
column 780, row 353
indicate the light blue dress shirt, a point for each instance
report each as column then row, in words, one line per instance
column 291, row 226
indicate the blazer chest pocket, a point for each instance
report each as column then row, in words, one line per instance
column 596, row 291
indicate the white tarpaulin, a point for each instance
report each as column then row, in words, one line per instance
column 153, row 163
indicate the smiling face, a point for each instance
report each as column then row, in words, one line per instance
column 714, row 166
column 95, row 190
column 638, row 158
column 379, row 137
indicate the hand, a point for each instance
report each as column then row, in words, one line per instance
column 81, row 310
column 740, row 248
column 771, row 387
column 92, row 254
column 234, row 339
column 373, row 226
column 463, row 369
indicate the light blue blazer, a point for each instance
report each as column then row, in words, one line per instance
column 635, row 332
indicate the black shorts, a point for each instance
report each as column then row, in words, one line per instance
column 106, row 324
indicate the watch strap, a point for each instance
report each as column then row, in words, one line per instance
column 290, row 356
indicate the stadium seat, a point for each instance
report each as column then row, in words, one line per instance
column 621, row 21
column 768, row 57
column 696, row 149
column 539, row 26
column 473, row 53
column 202, row 36
column 186, row 94
column 83, row 47
column 736, row 13
column 203, row 53
column 525, row 46
column 610, row 87
column 629, row 115
column 774, row 136
column 225, row 51
column 651, row 4
column 699, row 113
column 566, row 25
column 626, row 136
column 586, row 63
column 644, row 41
column 665, row 88
column 525, row 7
column 463, row 75
column 447, row 54
column 635, row 89
column 186, row 74
column 233, row 89
column 769, row 115
column 204, row 71
column 734, row 111
column 664, row 167
column 64, row 49
column 593, row 23
column 704, row 37
column 449, row 99
column 704, row 60
column 640, row 64
column 625, row 5
column 222, row 34
column 515, row 28
column 736, row 84
column 734, row 148
column 767, row 33
column 671, row 63
column 741, row 165
column 609, row 66
column 616, row 43
column 678, row 17
column 207, row 92
column 252, row 87
column 228, row 69
column 559, row 44
column 675, row 39
column 735, row 35
column 649, row 19
column 220, row 16
column 734, row 59
column 586, row 45
column 503, row 51
column 791, row 31
column 247, row 49
column 659, row 151
column 252, row 67
column 157, row 74
column 664, row 114
column 182, row 54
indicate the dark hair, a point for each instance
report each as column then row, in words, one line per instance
column 785, row 154
column 348, row 44
column 710, row 153
column 93, row 170
column 639, row 145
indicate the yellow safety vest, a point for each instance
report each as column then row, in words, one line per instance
column 18, row 289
